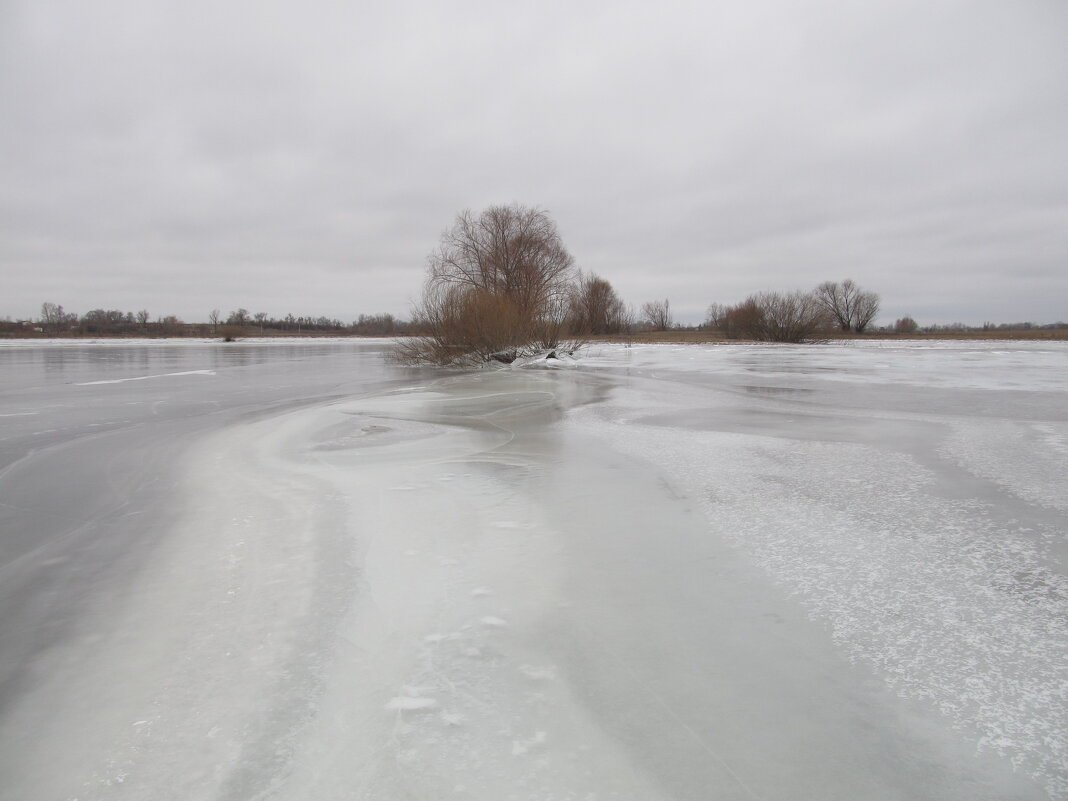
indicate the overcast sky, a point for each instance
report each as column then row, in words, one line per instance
column 305, row 157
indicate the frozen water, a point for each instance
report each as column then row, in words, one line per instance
column 289, row 571
column 411, row 703
column 144, row 377
column 921, row 541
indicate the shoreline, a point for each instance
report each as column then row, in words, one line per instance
column 678, row 337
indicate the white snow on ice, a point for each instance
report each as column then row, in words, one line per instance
column 408, row 703
column 946, row 600
column 144, row 377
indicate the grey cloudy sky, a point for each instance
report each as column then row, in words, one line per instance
column 305, row 157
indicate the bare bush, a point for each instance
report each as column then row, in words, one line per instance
column 771, row 317
column 746, row 319
column 734, row 322
column 905, row 325
column 788, row 317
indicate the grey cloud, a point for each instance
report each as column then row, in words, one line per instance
column 273, row 156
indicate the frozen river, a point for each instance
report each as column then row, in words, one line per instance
column 290, row 570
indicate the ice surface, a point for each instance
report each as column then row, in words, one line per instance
column 666, row 572
column 948, row 604
column 1025, row 457
column 922, row 571
column 409, row 703
column 144, row 377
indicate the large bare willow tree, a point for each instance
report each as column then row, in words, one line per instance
column 497, row 287
column 851, row 307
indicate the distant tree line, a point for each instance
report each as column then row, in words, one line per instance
column 593, row 309
column 501, row 285
column 963, row 328
column 242, row 320
column 796, row 316
column 54, row 320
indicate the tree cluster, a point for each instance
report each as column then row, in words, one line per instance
column 56, row 321
column 770, row 317
column 656, row 315
column 796, row 316
column 243, row 321
column 595, row 308
column 501, row 285
column 905, row 325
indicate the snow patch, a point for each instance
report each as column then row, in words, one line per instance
column 144, row 377
column 409, row 703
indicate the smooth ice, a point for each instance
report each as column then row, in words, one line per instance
column 293, row 571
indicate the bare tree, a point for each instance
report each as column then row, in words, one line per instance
column 170, row 325
column 595, row 307
column 239, row 318
column 498, row 286
column 513, row 251
column 261, row 318
column 54, row 318
column 50, row 313
column 851, row 308
column 905, row 325
column 214, row 317
column 716, row 316
column 732, row 321
column 379, row 325
column 142, row 318
column 657, row 314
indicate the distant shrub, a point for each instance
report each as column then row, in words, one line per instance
column 770, row 317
